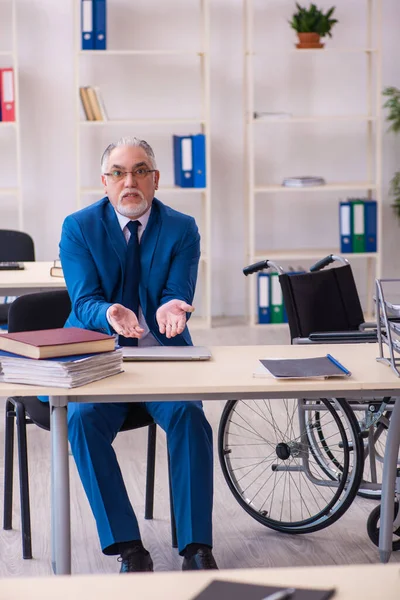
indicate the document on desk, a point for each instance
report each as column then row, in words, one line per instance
column 301, row 368
column 233, row 590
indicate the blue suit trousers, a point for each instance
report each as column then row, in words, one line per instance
column 92, row 428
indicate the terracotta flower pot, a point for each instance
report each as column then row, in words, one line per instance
column 309, row 40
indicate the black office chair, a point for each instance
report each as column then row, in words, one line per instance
column 14, row 246
column 48, row 310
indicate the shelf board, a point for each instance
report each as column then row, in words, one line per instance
column 305, row 254
column 344, row 50
column 167, row 189
column 141, row 122
column 9, row 191
column 140, row 52
column 315, row 119
column 7, row 123
column 350, row 185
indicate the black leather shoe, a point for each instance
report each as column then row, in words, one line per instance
column 135, row 560
column 202, row 559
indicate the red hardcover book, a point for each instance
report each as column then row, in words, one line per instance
column 7, row 95
column 48, row 343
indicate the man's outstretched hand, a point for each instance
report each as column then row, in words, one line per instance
column 124, row 321
column 171, row 317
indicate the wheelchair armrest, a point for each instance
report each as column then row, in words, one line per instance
column 328, row 338
column 343, row 337
column 367, row 325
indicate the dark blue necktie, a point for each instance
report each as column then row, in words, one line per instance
column 130, row 295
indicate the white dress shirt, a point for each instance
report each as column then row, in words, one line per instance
column 147, row 338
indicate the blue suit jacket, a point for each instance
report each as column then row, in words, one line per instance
column 93, row 250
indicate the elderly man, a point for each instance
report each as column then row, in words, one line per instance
column 130, row 264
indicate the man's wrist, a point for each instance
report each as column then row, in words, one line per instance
column 108, row 313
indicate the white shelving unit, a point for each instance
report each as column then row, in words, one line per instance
column 201, row 124
column 372, row 119
column 9, row 58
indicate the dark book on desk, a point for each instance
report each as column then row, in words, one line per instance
column 232, row 590
column 11, row 265
column 301, row 368
column 46, row 343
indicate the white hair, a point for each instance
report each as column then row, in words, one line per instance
column 128, row 141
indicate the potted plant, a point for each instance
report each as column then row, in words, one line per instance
column 311, row 24
column 393, row 105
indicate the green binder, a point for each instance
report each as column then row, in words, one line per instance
column 358, row 225
column 276, row 302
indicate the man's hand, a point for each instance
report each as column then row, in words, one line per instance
column 124, row 321
column 171, row 317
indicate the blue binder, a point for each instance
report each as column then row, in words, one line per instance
column 183, row 160
column 345, row 216
column 199, row 160
column 100, row 24
column 300, row 271
column 263, row 296
column 87, row 24
column 370, row 216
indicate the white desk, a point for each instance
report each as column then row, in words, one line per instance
column 227, row 376
column 368, row 582
column 34, row 278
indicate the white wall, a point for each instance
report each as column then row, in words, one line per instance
column 47, row 110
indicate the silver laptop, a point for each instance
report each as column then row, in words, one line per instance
column 166, row 353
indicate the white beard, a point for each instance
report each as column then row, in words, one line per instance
column 132, row 210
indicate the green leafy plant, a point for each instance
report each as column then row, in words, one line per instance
column 313, row 20
column 395, row 193
column 393, row 106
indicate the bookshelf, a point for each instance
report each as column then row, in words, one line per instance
column 146, row 118
column 266, row 200
column 10, row 136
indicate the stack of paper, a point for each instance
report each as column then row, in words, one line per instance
column 303, row 181
column 65, row 371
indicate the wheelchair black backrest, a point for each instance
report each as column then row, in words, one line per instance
column 324, row 300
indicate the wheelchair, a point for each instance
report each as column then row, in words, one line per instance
column 296, row 465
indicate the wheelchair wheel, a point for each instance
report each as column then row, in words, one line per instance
column 373, row 467
column 374, row 448
column 268, row 452
column 373, row 527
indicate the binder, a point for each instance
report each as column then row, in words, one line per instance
column 370, row 218
column 291, row 271
column 263, row 293
column 358, row 232
column 276, row 299
column 87, row 24
column 100, row 24
column 345, row 214
column 183, row 160
column 7, row 95
column 199, row 160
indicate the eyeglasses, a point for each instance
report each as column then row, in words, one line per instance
column 139, row 173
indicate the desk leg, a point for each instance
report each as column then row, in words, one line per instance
column 388, row 485
column 60, row 495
